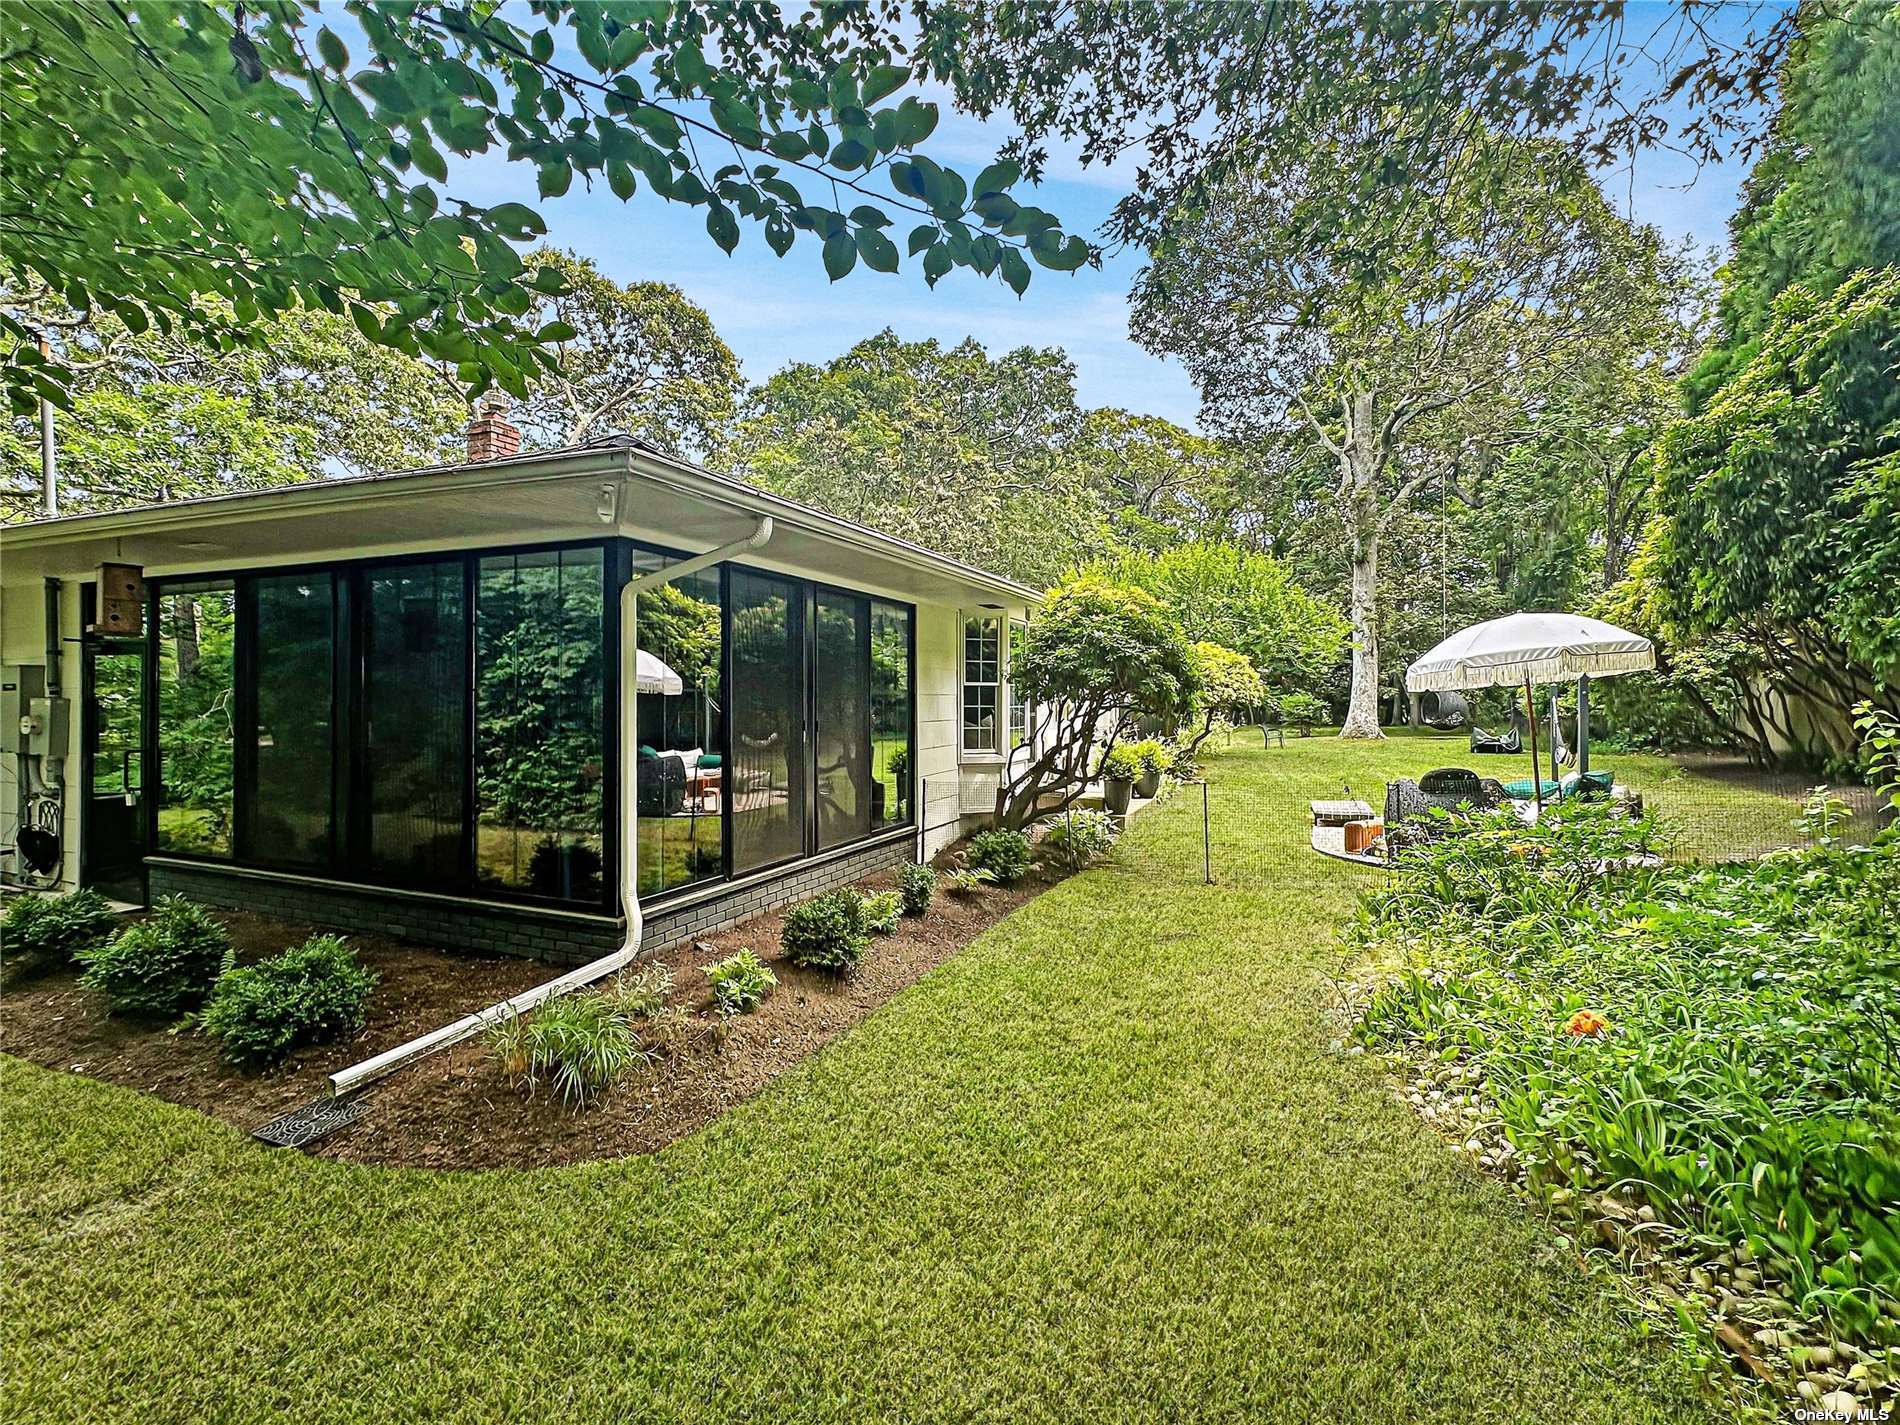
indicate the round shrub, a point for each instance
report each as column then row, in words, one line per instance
column 1302, row 711
column 1004, row 854
column 828, row 933
column 1121, row 764
column 740, row 982
column 311, row 994
column 52, row 930
column 160, row 966
column 915, row 886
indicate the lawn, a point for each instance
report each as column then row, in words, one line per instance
column 1100, row 1166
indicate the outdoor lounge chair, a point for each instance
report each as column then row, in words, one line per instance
column 1581, row 786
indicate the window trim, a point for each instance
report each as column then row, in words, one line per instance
column 998, row 754
column 1027, row 708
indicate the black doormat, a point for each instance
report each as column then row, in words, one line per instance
column 303, row 1126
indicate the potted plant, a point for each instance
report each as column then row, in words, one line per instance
column 1155, row 759
column 1119, row 769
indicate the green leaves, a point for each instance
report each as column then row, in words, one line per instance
column 325, row 173
column 883, row 80
column 722, row 227
column 332, row 50
column 841, row 255
column 1015, row 271
column 880, row 253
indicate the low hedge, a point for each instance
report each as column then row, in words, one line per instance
column 163, row 965
column 313, row 993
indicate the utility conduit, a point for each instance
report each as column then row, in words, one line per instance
column 357, row 1076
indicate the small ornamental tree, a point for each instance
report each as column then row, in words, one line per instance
column 1097, row 657
column 1229, row 684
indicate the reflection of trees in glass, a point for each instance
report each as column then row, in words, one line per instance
column 288, row 811
column 539, row 767
column 682, row 786
column 768, row 743
column 117, row 698
column 682, row 632
column 843, row 744
column 195, row 718
column 890, row 710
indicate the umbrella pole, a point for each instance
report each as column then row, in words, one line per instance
column 1537, row 771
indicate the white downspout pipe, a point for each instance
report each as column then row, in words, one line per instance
column 347, row 1081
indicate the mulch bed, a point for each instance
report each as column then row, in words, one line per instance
column 456, row 1109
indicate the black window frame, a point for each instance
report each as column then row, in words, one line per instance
column 808, row 592
column 348, row 841
column 347, row 861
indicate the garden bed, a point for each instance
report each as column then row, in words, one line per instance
column 456, row 1109
column 1691, row 1069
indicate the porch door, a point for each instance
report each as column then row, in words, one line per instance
column 112, row 820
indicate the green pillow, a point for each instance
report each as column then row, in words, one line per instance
column 709, row 759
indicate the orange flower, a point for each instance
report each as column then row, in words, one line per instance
column 1585, row 1021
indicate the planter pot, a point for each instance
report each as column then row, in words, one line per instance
column 1147, row 784
column 1116, row 793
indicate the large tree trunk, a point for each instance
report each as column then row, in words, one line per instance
column 1362, row 709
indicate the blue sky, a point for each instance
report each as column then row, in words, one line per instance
column 772, row 310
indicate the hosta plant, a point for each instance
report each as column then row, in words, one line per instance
column 740, row 982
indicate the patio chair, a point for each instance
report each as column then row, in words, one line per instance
column 662, row 784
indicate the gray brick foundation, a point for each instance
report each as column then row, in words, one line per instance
column 559, row 937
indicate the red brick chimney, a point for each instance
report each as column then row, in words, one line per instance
column 491, row 435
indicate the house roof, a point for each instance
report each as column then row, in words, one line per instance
column 618, row 485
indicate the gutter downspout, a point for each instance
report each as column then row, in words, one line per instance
column 357, row 1076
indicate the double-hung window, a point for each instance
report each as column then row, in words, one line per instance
column 1021, row 724
column 982, row 683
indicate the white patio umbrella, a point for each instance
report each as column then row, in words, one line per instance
column 1530, row 648
column 653, row 676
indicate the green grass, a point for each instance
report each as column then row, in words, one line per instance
column 1714, row 818
column 1101, row 1166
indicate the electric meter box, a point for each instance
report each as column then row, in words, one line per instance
column 49, row 732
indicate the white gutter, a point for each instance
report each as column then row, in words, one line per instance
column 347, row 1081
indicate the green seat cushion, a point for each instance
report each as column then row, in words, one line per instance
column 709, row 759
column 1520, row 790
column 1586, row 784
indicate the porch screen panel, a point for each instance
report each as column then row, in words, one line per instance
column 841, row 742
column 540, row 757
column 415, row 723
column 890, row 714
column 681, row 781
column 197, row 717
column 769, row 751
column 288, row 810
